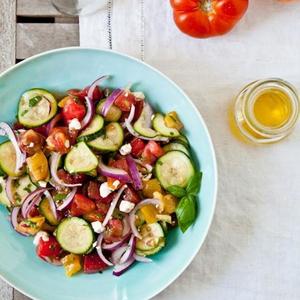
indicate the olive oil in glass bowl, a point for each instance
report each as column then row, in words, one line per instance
column 266, row 111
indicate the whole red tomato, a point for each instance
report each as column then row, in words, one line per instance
column 206, row 18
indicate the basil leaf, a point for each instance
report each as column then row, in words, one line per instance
column 186, row 212
column 176, row 191
column 34, row 101
column 194, row 184
column 1, row 189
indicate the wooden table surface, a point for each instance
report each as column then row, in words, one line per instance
column 28, row 27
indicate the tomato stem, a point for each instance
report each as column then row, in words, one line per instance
column 206, row 5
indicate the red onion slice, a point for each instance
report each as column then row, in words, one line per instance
column 115, row 245
column 99, row 250
column 52, row 204
column 135, row 175
column 5, row 129
column 68, row 199
column 113, row 172
column 143, row 259
column 90, row 111
column 8, row 189
column 134, row 133
column 14, row 220
column 53, row 122
column 126, row 226
column 113, row 205
column 95, row 84
column 117, row 254
column 120, row 269
column 32, row 199
column 110, row 101
column 54, row 162
column 151, row 201
column 130, row 250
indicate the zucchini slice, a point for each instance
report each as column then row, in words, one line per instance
column 160, row 126
column 110, row 141
column 176, row 146
column 21, row 188
column 174, row 168
column 153, row 239
column 3, row 197
column 36, row 107
column 114, row 113
column 142, row 125
column 8, row 159
column 182, row 139
column 45, row 210
column 80, row 159
column 94, row 128
column 75, row 235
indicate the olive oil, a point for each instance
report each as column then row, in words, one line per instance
column 272, row 108
column 265, row 111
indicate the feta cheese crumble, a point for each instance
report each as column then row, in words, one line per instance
column 126, row 206
column 40, row 235
column 104, row 190
column 74, row 124
column 125, row 149
column 98, row 226
column 42, row 183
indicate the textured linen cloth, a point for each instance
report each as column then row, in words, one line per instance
column 252, row 250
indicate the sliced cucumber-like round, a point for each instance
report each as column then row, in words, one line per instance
column 176, row 146
column 182, row 139
column 110, row 141
column 45, row 210
column 174, row 168
column 3, row 197
column 21, row 188
column 142, row 125
column 153, row 239
column 80, row 159
column 94, row 127
column 114, row 113
column 75, row 235
column 8, row 159
column 36, row 107
column 160, row 126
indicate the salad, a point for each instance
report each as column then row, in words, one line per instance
column 96, row 177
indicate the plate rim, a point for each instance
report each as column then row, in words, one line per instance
column 204, row 126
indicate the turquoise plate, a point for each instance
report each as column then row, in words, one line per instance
column 68, row 68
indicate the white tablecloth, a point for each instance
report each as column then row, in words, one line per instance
column 253, row 247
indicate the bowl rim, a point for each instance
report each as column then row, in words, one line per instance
column 210, row 142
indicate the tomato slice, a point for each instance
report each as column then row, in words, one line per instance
column 131, row 195
column 68, row 178
column 73, row 110
column 114, row 231
column 50, row 248
column 94, row 216
column 93, row 190
column 137, row 146
column 92, row 263
column 120, row 164
column 97, row 94
column 59, row 140
column 125, row 100
column 81, row 205
column 152, row 151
